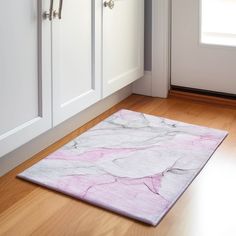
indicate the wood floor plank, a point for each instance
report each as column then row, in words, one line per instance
column 31, row 211
column 206, row 208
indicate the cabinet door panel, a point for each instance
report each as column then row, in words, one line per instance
column 76, row 58
column 123, row 39
column 24, row 73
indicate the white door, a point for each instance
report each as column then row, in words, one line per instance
column 204, row 45
column 25, row 72
column 76, row 57
column 123, row 40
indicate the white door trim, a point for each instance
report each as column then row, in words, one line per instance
column 161, row 25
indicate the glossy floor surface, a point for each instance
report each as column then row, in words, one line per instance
column 207, row 208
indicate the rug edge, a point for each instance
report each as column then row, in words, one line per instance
column 160, row 218
column 90, row 202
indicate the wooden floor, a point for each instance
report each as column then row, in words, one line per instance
column 207, row 208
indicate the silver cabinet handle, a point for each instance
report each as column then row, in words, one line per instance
column 49, row 15
column 59, row 13
column 110, row 4
column 60, row 9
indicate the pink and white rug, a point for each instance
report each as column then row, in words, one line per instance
column 134, row 164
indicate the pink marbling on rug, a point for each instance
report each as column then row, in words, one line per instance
column 131, row 163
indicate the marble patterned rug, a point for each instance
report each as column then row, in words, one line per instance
column 132, row 163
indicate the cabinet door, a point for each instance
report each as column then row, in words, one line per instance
column 76, row 57
column 123, row 40
column 25, row 73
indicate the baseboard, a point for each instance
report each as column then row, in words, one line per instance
column 203, row 98
column 25, row 152
column 143, row 86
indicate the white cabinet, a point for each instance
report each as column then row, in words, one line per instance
column 51, row 69
column 76, row 40
column 25, row 73
column 123, row 44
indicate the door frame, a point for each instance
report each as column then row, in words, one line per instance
column 161, row 39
